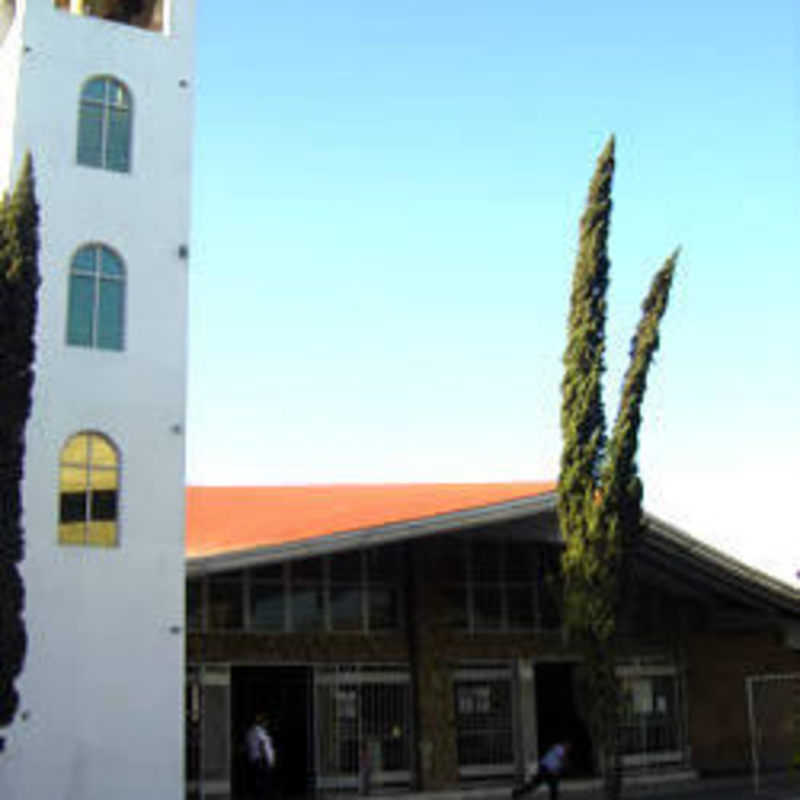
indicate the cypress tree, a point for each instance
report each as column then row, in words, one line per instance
column 600, row 492
column 19, row 282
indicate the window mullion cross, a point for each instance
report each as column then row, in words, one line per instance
column 96, row 297
column 531, row 584
column 470, row 585
column 326, row 593
column 364, row 591
column 537, row 588
column 88, row 510
column 288, row 589
column 105, row 125
column 246, row 595
column 503, row 586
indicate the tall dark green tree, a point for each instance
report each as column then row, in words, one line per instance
column 19, row 282
column 600, row 491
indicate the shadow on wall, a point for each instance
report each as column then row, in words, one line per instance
column 147, row 14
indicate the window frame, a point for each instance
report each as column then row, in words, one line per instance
column 291, row 579
column 107, row 106
column 88, row 491
column 647, row 669
column 471, row 585
column 98, row 278
column 494, row 724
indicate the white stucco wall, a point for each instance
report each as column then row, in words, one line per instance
column 10, row 47
column 102, row 688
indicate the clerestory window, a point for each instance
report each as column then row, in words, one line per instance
column 96, row 305
column 104, row 125
column 89, row 492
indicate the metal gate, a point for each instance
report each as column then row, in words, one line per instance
column 485, row 718
column 773, row 711
column 651, row 730
column 363, row 727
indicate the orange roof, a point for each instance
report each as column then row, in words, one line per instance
column 226, row 519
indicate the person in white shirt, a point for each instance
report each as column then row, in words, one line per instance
column 260, row 759
column 551, row 765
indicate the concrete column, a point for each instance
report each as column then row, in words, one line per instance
column 437, row 758
column 526, row 704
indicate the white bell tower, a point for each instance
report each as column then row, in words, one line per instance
column 101, row 93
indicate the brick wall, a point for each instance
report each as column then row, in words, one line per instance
column 295, row 648
column 717, row 665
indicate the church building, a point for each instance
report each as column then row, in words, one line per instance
column 409, row 637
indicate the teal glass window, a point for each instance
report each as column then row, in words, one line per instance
column 104, row 125
column 307, row 608
column 267, row 606
column 96, row 304
column 384, row 608
column 225, row 602
column 267, row 598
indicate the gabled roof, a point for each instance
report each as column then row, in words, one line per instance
column 233, row 524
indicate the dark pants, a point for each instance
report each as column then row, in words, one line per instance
column 259, row 781
column 542, row 776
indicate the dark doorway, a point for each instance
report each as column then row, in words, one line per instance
column 284, row 695
column 558, row 717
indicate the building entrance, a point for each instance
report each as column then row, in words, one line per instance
column 558, row 717
column 284, row 694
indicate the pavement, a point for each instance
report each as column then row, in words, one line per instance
column 775, row 787
column 781, row 787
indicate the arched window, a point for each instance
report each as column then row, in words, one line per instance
column 104, row 125
column 96, row 305
column 88, row 491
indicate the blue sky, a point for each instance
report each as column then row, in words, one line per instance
column 386, row 201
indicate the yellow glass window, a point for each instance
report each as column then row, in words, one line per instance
column 89, row 491
column 76, row 450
